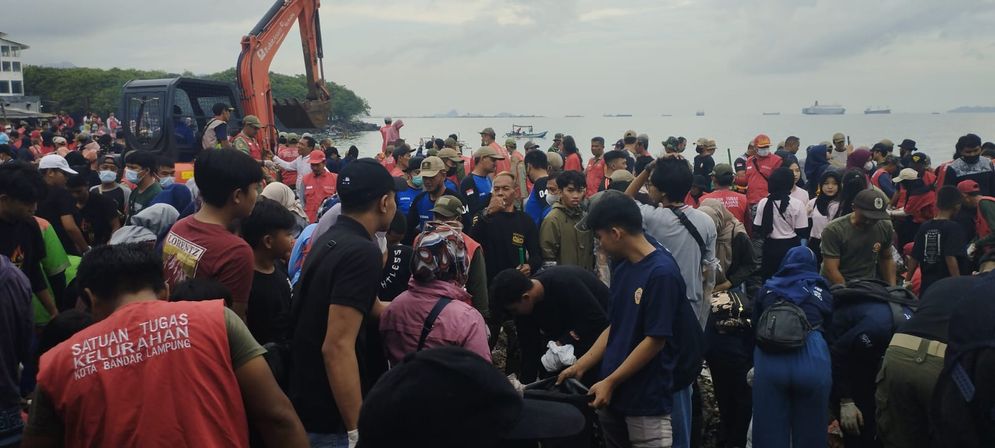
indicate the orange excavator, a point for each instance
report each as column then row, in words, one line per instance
column 168, row 115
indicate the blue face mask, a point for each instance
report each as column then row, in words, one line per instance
column 417, row 181
column 107, row 176
column 131, row 176
column 167, row 181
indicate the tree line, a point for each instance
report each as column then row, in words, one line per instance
column 80, row 90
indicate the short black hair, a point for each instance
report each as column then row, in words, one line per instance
column 21, row 181
column 724, row 179
column 507, row 288
column 77, row 180
column 570, row 177
column 610, row 156
column 948, row 197
column 673, row 177
column 792, row 139
column 988, row 145
column 199, row 290
column 440, row 143
column 598, row 140
column 219, row 172
column 267, row 217
column 537, row 160
column 629, row 140
column 166, row 161
column 969, row 141
column 110, row 271
column 308, row 141
column 641, row 163
column 614, row 209
column 399, row 224
column 353, row 151
column 144, row 159
column 643, row 141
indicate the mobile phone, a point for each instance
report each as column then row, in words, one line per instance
column 848, row 140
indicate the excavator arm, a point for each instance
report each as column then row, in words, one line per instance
column 258, row 49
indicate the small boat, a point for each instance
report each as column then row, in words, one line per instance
column 877, row 110
column 666, row 115
column 824, row 109
column 771, row 113
column 573, row 116
column 525, row 131
column 700, row 113
column 617, row 115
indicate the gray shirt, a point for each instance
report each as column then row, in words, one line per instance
column 16, row 326
column 661, row 223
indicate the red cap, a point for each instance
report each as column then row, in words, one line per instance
column 761, row 141
column 316, row 157
column 968, row 187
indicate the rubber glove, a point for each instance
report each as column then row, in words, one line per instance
column 749, row 377
column 353, row 438
column 850, row 417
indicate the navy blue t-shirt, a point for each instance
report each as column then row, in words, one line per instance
column 404, row 199
column 645, row 301
column 536, row 205
column 477, row 190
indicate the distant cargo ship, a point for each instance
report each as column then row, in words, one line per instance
column 877, row 110
column 700, row 113
column 771, row 113
column 617, row 115
column 823, row 109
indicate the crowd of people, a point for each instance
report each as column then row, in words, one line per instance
column 294, row 297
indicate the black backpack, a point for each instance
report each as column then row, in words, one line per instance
column 782, row 327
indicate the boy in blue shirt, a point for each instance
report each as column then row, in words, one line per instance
column 637, row 353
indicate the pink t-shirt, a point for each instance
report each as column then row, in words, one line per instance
column 795, row 217
column 458, row 324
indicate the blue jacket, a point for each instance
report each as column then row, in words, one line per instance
column 858, row 336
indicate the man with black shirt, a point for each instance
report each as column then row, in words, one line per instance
column 508, row 236
column 477, row 186
column 269, row 231
column 564, row 304
column 433, row 174
column 21, row 187
column 98, row 216
column 59, row 207
column 914, row 359
column 337, row 296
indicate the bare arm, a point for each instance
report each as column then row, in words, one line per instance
column 75, row 234
column 911, row 268
column 639, row 181
column 267, row 407
column 832, row 267
column 886, row 265
column 952, row 266
column 648, row 348
column 341, row 366
column 589, row 360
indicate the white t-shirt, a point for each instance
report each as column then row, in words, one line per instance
column 819, row 221
column 801, row 194
column 795, row 217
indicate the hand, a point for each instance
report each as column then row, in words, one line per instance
column 525, row 269
column 602, row 392
column 570, row 372
column 496, row 205
column 851, row 418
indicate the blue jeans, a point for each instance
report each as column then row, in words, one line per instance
column 791, row 396
column 318, row 440
column 680, row 418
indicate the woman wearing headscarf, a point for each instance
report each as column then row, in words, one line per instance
column 149, row 226
column 283, row 195
column 732, row 246
column 779, row 219
column 439, row 268
column 791, row 388
column 815, row 164
column 823, row 208
column 860, row 159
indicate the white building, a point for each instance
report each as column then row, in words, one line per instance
column 11, row 74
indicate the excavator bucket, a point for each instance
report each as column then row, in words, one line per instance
column 307, row 114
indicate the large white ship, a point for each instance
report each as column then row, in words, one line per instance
column 823, row 109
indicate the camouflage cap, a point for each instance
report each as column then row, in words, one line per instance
column 448, row 206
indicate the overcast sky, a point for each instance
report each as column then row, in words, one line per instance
column 557, row 57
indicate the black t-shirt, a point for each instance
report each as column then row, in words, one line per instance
column 346, row 265
column 94, row 219
column 937, row 239
column 58, row 203
column 507, row 238
column 269, row 306
column 931, row 319
column 572, row 311
column 396, row 273
column 21, row 242
column 116, row 195
column 703, row 165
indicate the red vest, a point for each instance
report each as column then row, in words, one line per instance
column 471, row 247
column 980, row 223
column 874, row 177
column 152, row 374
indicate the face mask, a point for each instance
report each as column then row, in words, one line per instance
column 417, row 181
column 552, row 198
column 869, row 166
column 971, row 159
column 131, row 175
column 107, row 176
column 763, row 152
column 167, row 181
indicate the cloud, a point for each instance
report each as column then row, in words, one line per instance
column 600, row 14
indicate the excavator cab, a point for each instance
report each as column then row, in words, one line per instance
column 168, row 116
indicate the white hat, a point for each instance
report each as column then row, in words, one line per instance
column 58, row 140
column 907, row 174
column 306, row 134
column 55, row 161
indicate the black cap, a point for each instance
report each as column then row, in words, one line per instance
column 451, row 397
column 872, row 204
column 880, row 147
column 908, row 144
column 363, row 180
column 221, row 107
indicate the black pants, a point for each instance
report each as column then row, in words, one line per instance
column 773, row 252
column 734, row 395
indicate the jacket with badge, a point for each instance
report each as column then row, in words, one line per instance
column 560, row 240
